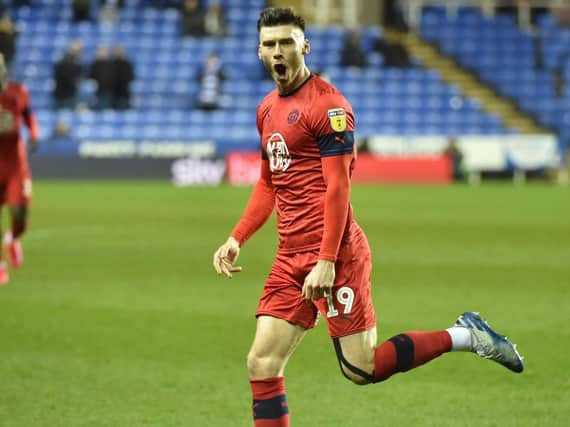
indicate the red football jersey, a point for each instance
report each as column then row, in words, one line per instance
column 297, row 130
column 14, row 108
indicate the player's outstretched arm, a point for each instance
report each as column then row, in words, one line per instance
column 258, row 210
column 259, row 207
column 225, row 257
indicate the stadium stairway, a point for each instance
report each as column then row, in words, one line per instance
column 453, row 73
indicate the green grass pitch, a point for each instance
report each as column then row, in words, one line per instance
column 118, row 319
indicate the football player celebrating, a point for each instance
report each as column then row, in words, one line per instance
column 323, row 263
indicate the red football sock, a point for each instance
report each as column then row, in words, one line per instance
column 18, row 229
column 407, row 351
column 269, row 402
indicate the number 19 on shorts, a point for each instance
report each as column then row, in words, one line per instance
column 345, row 296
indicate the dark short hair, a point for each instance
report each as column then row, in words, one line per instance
column 274, row 16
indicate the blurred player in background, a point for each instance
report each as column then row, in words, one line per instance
column 323, row 263
column 15, row 177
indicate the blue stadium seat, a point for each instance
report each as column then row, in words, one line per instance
column 385, row 99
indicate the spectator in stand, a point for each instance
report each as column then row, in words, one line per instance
column 163, row 4
column 395, row 55
column 124, row 74
column 192, row 19
column 559, row 82
column 394, row 15
column 562, row 15
column 67, row 74
column 211, row 78
column 20, row 3
column 351, row 54
column 61, row 131
column 109, row 11
column 119, row 4
column 215, row 20
column 455, row 156
column 8, row 35
column 526, row 15
column 81, row 10
column 102, row 71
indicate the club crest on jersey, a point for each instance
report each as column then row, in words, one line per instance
column 293, row 117
column 278, row 153
column 337, row 117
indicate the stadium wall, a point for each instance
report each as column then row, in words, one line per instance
column 391, row 159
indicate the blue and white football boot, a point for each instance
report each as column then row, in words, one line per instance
column 489, row 344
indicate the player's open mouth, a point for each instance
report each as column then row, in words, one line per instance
column 280, row 70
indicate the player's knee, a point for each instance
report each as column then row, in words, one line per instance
column 356, row 363
column 259, row 366
column 359, row 377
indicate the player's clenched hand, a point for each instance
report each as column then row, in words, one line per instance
column 319, row 281
column 225, row 257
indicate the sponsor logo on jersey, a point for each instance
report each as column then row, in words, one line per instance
column 278, row 153
column 337, row 117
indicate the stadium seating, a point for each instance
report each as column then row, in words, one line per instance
column 386, row 100
column 517, row 64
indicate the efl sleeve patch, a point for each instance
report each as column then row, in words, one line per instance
column 337, row 119
column 335, row 144
column 330, row 114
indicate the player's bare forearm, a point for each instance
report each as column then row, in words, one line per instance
column 226, row 256
column 319, row 281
